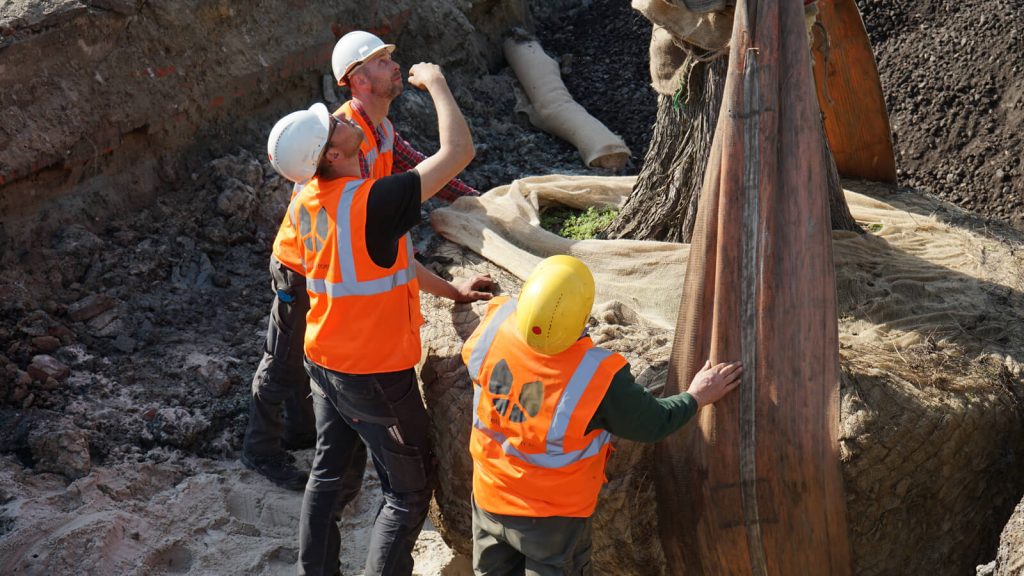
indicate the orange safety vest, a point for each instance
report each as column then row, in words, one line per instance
column 379, row 155
column 362, row 318
column 379, row 158
column 532, row 455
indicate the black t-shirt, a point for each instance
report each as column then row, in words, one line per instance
column 392, row 209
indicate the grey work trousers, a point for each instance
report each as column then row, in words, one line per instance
column 384, row 410
column 518, row 545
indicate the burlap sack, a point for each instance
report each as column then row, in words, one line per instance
column 688, row 32
column 552, row 109
column 503, row 226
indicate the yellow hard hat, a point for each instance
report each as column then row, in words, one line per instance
column 555, row 303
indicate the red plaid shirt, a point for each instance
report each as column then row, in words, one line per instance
column 406, row 158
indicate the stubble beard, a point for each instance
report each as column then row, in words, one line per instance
column 389, row 91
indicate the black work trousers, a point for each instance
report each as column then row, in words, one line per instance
column 385, row 411
column 280, row 383
column 280, row 386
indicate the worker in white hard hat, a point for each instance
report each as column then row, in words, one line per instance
column 349, row 236
column 546, row 402
column 280, row 411
column 362, row 62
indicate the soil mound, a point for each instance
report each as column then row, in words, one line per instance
column 952, row 76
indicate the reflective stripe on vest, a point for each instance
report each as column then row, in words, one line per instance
column 571, row 397
column 555, row 455
column 371, row 158
column 350, row 284
column 388, row 132
column 384, row 146
column 476, row 358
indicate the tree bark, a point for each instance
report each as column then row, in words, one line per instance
column 838, row 208
column 663, row 204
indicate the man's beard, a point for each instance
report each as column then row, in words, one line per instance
column 389, row 90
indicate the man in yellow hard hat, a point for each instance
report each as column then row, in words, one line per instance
column 546, row 403
column 362, row 62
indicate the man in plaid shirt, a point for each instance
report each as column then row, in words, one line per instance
column 363, row 63
column 406, row 158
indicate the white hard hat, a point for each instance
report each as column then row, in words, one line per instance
column 297, row 142
column 352, row 50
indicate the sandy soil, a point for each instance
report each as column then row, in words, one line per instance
column 177, row 514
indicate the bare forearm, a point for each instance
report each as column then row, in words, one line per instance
column 433, row 284
column 452, row 128
column 456, row 149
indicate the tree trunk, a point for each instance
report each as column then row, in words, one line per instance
column 838, row 208
column 663, row 204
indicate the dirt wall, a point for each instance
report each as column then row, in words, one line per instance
column 104, row 101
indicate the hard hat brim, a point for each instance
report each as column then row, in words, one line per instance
column 344, row 77
column 323, row 116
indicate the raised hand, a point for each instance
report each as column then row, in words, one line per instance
column 421, row 75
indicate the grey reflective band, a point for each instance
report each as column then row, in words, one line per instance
column 367, row 288
column 384, row 146
column 476, row 357
column 572, row 395
column 389, row 136
column 555, row 455
column 371, row 159
column 343, row 225
column 350, row 285
column 293, row 216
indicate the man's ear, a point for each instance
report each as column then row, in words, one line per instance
column 331, row 155
column 355, row 79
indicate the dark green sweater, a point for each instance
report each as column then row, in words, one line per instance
column 629, row 411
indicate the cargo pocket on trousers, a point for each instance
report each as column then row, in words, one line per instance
column 405, row 473
column 314, row 388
